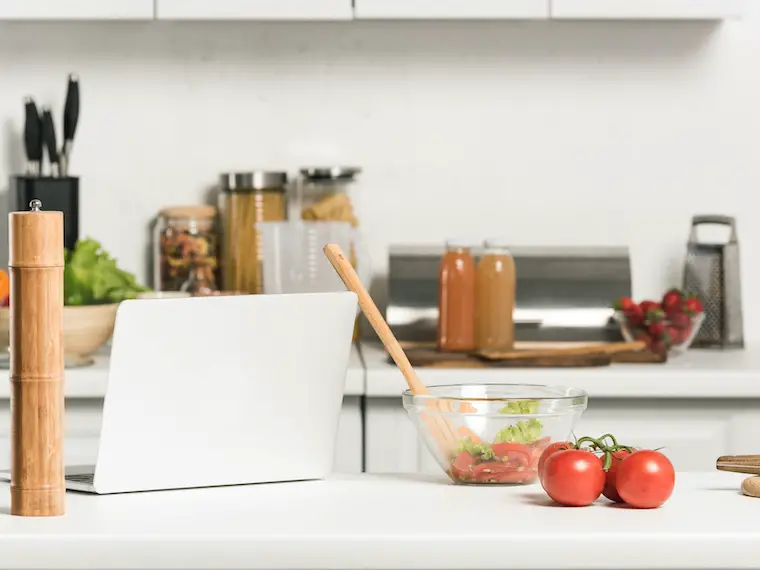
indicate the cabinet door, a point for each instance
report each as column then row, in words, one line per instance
column 693, row 433
column 392, row 442
column 451, row 9
column 76, row 10
column 254, row 9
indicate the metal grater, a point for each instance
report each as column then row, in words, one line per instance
column 712, row 272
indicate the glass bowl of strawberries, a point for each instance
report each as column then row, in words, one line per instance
column 668, row 326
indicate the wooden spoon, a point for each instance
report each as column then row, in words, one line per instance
column 440, row 427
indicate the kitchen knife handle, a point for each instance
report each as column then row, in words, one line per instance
column 729, row 221
column 71, row 109
column 32, row 136
column 48, row 135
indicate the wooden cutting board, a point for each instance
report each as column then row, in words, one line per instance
column 534, row 355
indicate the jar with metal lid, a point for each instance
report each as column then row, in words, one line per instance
column 324, row 194
column 248, row 198
column 185, row 240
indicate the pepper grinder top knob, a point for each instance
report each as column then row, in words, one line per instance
column 35, row 205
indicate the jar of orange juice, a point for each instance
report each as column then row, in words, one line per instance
column 495, row 293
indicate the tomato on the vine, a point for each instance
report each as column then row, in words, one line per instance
column 610, row 485
column 573, row 477
column 645, row 479
column 549, row 451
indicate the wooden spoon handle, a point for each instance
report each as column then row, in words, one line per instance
column 347, row 274
column 749, row 464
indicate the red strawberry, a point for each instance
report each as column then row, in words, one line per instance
column 654, row 316
column 657, row 329
column 659, row 347
column 693, row 306
column 676, row 335
column 672, row 302
column 647, row 306
column 624, row 304
column 644, row 337
column 634, row 315
column 680, row 321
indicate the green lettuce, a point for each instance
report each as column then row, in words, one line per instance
column 91, row 277
column 522, row 432
column 520, row 407
column 482, row 450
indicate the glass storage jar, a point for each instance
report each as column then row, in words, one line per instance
column 248, row 198
column 495, row 296
column 185, row 238
column 324, row 194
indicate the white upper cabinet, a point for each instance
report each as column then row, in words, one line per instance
column 451, row 9
column 76, row 9
column 254, row 9
column 646, row 9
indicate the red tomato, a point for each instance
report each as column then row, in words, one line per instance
column 645, row 479
column 549, row 451
column 461, row 468
column 574, row 477
column 517, row 453
column 610, row 489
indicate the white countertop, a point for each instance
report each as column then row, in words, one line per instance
column 391, row 522
column 696, row 374
column 92, row 381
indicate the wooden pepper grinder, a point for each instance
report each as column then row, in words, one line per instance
column 36, row 366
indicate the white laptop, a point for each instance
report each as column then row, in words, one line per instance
column 222, row 391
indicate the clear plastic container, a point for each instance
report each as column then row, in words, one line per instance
column 293, row 258
column 493, row 433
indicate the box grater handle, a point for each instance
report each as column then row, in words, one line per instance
column 713, row 219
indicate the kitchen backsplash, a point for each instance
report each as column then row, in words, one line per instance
column 540, row 133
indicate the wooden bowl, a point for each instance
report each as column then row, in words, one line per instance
column 85, row 329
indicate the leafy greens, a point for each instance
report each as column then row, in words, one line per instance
column 91, row 277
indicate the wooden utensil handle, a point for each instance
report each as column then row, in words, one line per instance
column 749, row 464
column 347, row 274
column 590, row 350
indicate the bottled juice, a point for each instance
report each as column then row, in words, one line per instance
column 456, row 299
column 495, row 293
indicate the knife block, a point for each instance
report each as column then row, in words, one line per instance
column 57, row 194
column 36, row 260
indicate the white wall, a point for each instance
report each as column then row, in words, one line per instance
column 546, row 133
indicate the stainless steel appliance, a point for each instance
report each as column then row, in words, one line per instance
column 563, row 293
column 712, row 272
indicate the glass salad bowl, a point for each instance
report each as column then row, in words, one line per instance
column 493, row 433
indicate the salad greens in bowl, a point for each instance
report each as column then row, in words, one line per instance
column 499, row 430
column 93, row 287
column 91, row 277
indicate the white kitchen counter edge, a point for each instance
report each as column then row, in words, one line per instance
column 90, row 382
column 386, row 522
column 696, row 374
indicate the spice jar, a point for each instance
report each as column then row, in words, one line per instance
column 248, row 198
column 495, row 291
column 456, row 298
column 185, row 236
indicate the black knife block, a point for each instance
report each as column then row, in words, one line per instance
column 57, row 194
